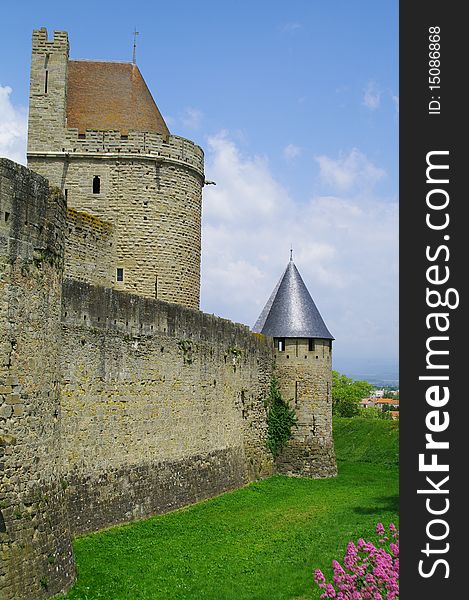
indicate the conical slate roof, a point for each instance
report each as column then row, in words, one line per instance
column 290, row 310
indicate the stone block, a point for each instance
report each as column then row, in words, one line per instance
column 6, row 411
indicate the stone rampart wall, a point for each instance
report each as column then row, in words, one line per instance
column 161, row 405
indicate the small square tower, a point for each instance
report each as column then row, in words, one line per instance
column 48, row 91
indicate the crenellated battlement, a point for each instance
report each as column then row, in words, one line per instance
column 42, row 43
column 137, row 144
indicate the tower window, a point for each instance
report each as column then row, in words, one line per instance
column 281, row 344
column 119, row 274
column 311, row 344
column 46, row 72
column 96, row 185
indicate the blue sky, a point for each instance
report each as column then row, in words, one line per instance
column 296, row 107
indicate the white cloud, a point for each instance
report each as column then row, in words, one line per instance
column 345, row 246
column 243, row 186
column 291, row 27
column 13, row 128
column 192, row 118
column 290, row 152
column 349, row 173
column 372, row 96
column 395, row 99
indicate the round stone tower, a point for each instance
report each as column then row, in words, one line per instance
column 96, row 133
column 303, row 353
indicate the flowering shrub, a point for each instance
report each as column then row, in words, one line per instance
column 368, row 571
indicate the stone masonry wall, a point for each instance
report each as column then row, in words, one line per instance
column 305, row 379
column 35, row 551
column 161, row 405
column 89, row 248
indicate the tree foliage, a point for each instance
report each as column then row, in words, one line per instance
column 373, row 412
column 280, row 419
column 347, row 393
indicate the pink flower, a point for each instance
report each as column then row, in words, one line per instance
column 350, row 558
column 319, row 576
column 338, row 570
column 368, row 572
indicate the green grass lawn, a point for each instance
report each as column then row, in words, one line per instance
column 261, row 542
column 372, row 441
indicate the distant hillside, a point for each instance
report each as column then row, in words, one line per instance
column 378, row 373
column 373, row 441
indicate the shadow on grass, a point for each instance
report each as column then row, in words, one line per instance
column 383, row 504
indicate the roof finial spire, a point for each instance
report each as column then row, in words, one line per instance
column 291, row 252
column 135, row 46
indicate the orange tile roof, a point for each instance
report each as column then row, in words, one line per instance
column 387, row 401
column 110, row 96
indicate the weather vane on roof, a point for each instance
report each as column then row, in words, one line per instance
column 135, row 46
column 291, row 251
